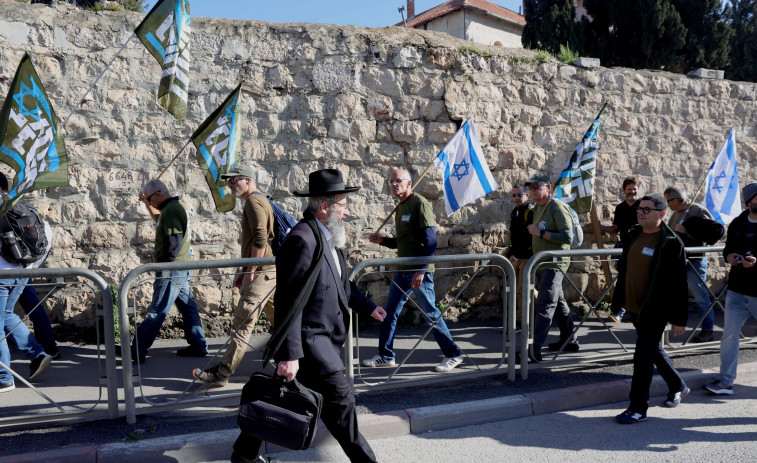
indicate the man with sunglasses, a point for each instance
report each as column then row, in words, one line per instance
column 255, row 289
column 697, row 270
column 520, row 240
column 651, row 286
column 171, row 245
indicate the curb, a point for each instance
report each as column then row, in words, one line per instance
column 217, row 445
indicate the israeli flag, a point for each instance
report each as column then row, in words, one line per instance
column 465, row 173
column 722, row 189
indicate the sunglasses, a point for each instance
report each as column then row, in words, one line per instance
column 234, row 180
column 147, row 199
column 647, row 210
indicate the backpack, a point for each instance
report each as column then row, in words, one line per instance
column 282, row 224
column 22, row 232
column 578, row 232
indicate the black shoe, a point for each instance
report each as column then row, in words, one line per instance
column 534, row 355
column 39, row 365
column 7, row 387
column 191, row 352
column 236, row 458
column 54, row 353
column 134, row 357
column 703, row 336
column 569, row 347
column 674, row 398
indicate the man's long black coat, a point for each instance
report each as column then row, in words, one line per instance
column 317, row 336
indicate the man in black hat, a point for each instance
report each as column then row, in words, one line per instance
column 312, row 317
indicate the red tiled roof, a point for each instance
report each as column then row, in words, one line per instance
column 456, row 5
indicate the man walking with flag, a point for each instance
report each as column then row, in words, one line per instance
column 256, row 284
column 416, row 237
column 696, row 271
column 552, row 230
column 741, row 301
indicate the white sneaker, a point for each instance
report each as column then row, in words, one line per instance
column 378, row 361
column 449, row 363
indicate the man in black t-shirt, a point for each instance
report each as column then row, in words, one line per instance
column 520, row 240
column 622, row 221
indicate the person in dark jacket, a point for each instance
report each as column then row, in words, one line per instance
column 308, row 343
column 652, row 288
column 520, row 241
column 741, row 301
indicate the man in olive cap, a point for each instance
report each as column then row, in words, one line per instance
column 255, row 284
column 312, row 315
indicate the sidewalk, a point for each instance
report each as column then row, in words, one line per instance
column 206, row 433
column 211, row 446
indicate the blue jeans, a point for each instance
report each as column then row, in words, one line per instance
column 551, row 302
column 169, row 288
column 10, row 321
column 43, row 331
column 427, row 301
column 699, row 297
column 738, row 308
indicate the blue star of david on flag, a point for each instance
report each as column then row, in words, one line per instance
column 458, row 167
column 721, row 196
column 465, row 173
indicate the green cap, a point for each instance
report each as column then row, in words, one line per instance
column 539, row 177
column 239, row 170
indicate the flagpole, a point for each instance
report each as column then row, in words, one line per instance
column 398, row 205
column 174, row 158
column 96, row 80
column 704, row 181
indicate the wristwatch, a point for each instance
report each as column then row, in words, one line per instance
column 541, row 233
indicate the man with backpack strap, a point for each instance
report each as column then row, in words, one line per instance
column 552, row 229
column 11, row 325
column 255, row 283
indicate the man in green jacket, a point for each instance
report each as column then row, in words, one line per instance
column 552, row 229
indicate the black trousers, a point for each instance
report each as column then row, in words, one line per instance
column 338, row 414
column 649, row 353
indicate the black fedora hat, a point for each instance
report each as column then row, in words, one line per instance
column 326, row 182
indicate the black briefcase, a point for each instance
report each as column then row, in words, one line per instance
column 278, row 411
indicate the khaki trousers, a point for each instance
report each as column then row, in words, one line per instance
column 518, row 265
column 254, row 297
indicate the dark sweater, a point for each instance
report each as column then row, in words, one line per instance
column 741, row 280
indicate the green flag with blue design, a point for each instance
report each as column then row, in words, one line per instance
column 165, row 33
column 217, row 142
column 575, row 185
column 32, row 144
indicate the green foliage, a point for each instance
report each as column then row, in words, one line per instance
column 544, row 56
column 566, row 55
column 549, row 24
column 709, row 35
column 742, row 64
column 475, row 51
column 604, row 306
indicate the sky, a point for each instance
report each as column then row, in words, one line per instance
column 365, row 13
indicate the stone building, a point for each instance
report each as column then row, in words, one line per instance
column 479, row 21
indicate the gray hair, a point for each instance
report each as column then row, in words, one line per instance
column 404, row 175
column 674, row 192
column 154, row 186
column 314, row 202
column 657, row 199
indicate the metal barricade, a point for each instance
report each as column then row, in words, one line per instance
column 476, row 262
column 546, row 257
column 134, row 278
column 64, row 277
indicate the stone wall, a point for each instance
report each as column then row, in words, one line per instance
column 362, row 100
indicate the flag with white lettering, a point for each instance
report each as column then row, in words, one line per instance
column 32, row 144
column 217, row 142
column 721, row 195
column 575, row 184
column 465, row 173
column 165, row 33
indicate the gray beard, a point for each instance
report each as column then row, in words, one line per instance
column 337, row 229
